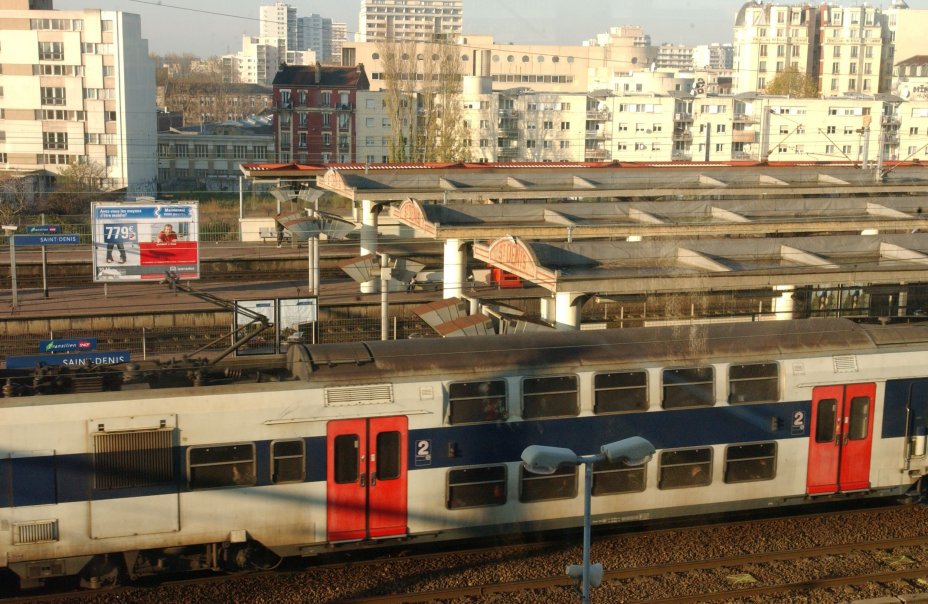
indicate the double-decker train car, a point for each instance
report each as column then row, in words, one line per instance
column 386, row 442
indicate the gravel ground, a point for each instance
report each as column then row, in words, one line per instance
column 318, row 585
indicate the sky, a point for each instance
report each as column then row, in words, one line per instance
column 215, row 27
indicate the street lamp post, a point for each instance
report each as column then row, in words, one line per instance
column 10, row 230
column 539, row 459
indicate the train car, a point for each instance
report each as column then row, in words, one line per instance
column 356, row 444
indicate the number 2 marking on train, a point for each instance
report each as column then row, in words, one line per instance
column 423, row 452
column 799, row 422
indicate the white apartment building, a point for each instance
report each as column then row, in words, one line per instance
column 526, row 125
column 713, row 56
column 418, row 20
column 279, row 22
column 674, row 56
column 339, row 37
column 769, row 38
column 852, row 49
column 256, row 63
column 77, row 86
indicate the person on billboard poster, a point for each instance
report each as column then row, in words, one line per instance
column 119, row 247
column 167, row 234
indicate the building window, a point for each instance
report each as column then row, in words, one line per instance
column 51, row 51
column 471, row 402
column 689, row 387
column 288, row 461
column 326, row 139
column 54, row 140
column 565, row 125
column 476, row 487
column 164, row 150
column 53, row 96
column 221, row 466
column 326, row 99
column 685, row 468
column 220, row 151
column 181, row 150
column 327, row 120
column 201, row 151
column 302, row 139
column 747, row 463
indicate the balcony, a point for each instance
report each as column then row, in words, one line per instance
column 514, row 113
column 746, row 119
column 743, row 136
column 594, row 114
column 598, row 135
column 596, row 154
column 343, row 107
column 682, row 117
column 682, row 135
column 742, row 156
column 890, row 120
column 681, row 156
column 891, row 137
column 507, row 153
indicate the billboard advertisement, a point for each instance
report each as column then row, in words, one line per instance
column 138, row 241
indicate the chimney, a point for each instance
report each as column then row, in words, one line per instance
column 318, row 72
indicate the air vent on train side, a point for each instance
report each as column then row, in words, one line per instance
column 36, row 531
column 845, row 363
column 347, row 396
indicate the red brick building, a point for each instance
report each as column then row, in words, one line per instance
column 314, row 113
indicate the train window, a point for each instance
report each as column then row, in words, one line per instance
column 287, row 461
column 689, row 387
column 132, row 459
column 346, row 458
column 859, row 418
column 470, row 402
column 388, row 455
column 746, row 463
column 476, row 487
column 685, row 468
column 611, row 477
column 753, row 383
column 616, row 392
column 221, row 466
column 550, row 397
column 826, row 414
column 539, row 487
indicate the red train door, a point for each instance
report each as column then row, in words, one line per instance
column 841, row 438
column 366, row 478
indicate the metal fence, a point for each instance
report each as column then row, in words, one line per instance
column 147, row 343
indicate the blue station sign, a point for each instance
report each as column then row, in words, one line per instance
column 68, row 360
column 68, row 345
column 46, row 239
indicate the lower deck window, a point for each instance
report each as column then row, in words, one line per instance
column 476, row 487
column 746, row 463
column 611, row 477
column 685, row 468
column 539, row 487
column 288, row 463
column 221, row 466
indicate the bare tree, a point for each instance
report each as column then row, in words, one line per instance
column 17, row 195
column 423, row 101
column 76, row 186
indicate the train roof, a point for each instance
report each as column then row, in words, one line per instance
column 676, row 345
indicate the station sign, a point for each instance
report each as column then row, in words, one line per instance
column 68, row 360
column 142, row 241
column 20, row 240
column 45, row 229
column 68, row 345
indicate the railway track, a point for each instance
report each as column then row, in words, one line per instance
column 779, row 558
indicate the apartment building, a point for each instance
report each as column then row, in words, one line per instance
column 315, row 109
column 713, row 56
column 674, row 56
column 315, row 33
column 769, row 38
column 412, row 20
column 852, row 49
column 207, row 157
column 278, row 23
column 78, row 86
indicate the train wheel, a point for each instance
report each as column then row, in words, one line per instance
column 236, row 557
column 102, row 572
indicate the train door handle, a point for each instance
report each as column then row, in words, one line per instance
column 373, row 478
column 363, row 480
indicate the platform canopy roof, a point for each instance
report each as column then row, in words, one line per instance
column 728, row 217
column 714, row 264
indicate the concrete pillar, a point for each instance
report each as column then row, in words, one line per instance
column 369, row 241
column 903, row 302
column 546, row 310
column 455, row 264
column 783, row 305
column 567, row 310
